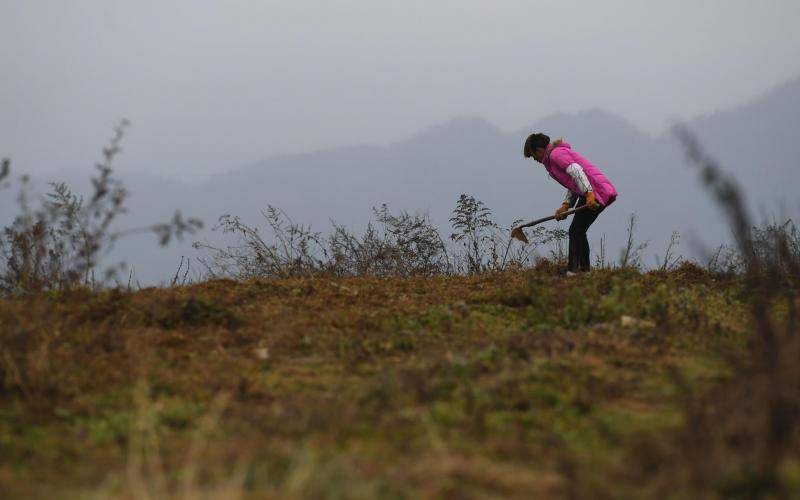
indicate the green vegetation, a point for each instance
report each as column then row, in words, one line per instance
column 511, row 384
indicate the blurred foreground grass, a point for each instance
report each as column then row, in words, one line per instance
column 515, row 385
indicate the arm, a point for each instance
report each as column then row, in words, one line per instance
column 563, row 160
column 579, row 176
column 570, row 198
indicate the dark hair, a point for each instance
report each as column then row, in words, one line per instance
column 533, row 142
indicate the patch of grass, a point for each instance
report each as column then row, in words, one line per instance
column 506, row 384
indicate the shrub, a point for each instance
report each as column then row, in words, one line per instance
column 59, row 243
column 400, row 245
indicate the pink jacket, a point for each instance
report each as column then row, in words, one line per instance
column 559, row 156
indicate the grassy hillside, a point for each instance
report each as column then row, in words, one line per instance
column 513, row 385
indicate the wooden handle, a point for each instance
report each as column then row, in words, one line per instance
column 545, row 219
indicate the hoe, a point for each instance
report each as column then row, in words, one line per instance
column 519, row 234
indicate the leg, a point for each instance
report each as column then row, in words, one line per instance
column 573, row 261
column 577, row 232
column 586, row 265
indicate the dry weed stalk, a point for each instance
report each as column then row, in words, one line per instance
column 146, row 475
column 741, row 438
column 60, row 243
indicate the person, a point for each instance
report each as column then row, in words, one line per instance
column 586, row 185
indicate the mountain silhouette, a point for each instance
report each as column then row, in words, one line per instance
column 427, row 172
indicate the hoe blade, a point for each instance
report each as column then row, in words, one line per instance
column 519, row 234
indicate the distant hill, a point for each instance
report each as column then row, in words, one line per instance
column 758, row 141
column 428, row 171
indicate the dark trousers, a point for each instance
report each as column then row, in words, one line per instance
column 578, row 242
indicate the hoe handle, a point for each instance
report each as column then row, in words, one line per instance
column 545, row 219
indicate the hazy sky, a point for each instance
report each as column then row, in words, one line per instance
column 210, row 85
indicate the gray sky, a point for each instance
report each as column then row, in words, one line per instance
column 210, row 85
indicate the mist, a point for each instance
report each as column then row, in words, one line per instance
column 215, row 90
column 210, row 86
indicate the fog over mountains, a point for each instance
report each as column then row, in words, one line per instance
column 757, row 142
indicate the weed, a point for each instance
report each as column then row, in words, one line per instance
column 59, row 244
